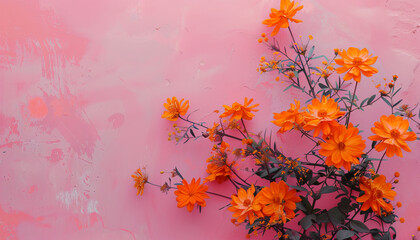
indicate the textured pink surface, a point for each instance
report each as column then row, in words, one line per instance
column 82, row 86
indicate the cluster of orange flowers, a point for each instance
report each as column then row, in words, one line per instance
column 343, row 145
column 219, row 167
column 276, row 202
column 340, row 145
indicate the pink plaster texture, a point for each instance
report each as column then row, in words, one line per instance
column 82, row 84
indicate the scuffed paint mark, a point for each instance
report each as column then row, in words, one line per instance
column 27, row 30
column 10, row 221
column 9, row 126
column 94, row 220
column 77, row 200
column 91, row 206
column 33, row 189
column 56, row 155
column 69, row 119
column 10, row 144
column 37, row 107
column 117, row 120
column 69, row 198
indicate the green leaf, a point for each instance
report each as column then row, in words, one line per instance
column 363, row 102
column 374, row 143
column 371, row 99
column 397, row 103
column 328, row 189
column 306, row 222
column 314, row 235
column 321, row 56
column 343, row 188
column 389, row 218
column 311, row 51
column 315, row 69
column 250, row 226
column 344, row 205
column 336, row 216
column 313, row 180
column 386, row 236
column 419, row 114
column 396, row 92
column 395, row 232
column 359, row 226
column 386, row 101
column 322, row 85
column 179, row 174
column 322, row 218
column 299, row 188
column 192, row 133
column 344, row 234
column 287, row 87
column 304, row 205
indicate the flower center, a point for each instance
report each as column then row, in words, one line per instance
column 236, row 106
column 395, row 133
column 341, row 146
column 322, row 113
column 378, row 194
column 357, row 61
column 172, row 108
column 247, row 202
column 277, row 200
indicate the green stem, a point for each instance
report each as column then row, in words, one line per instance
column 212, row 193
column 220, row 133
column 303, row 65
column 351, row 105
column 380, row 162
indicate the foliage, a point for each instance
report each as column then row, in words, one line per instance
column 339, row 165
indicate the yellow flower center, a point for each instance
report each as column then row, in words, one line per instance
column 236, row 106
column 247, row 202
column 357, row 61
column 395, row 133
column 322, row 113
column 172, row 108
column 341, row 146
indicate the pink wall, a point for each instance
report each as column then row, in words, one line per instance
column 82, row 86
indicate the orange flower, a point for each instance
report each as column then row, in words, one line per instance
column 140, row 179
column 278, row 202
column 218, row 172
column 190, row 194
column 286, row 120
column 356, row 61
column 218, row 165
column 239, row 111
column 247, row 141
column 175, row 108
column 343, row 147
column 375, row 191
column 213, row 132
column 245, row 205
column 322, row 115
column 280, row 18
column 392, row 132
